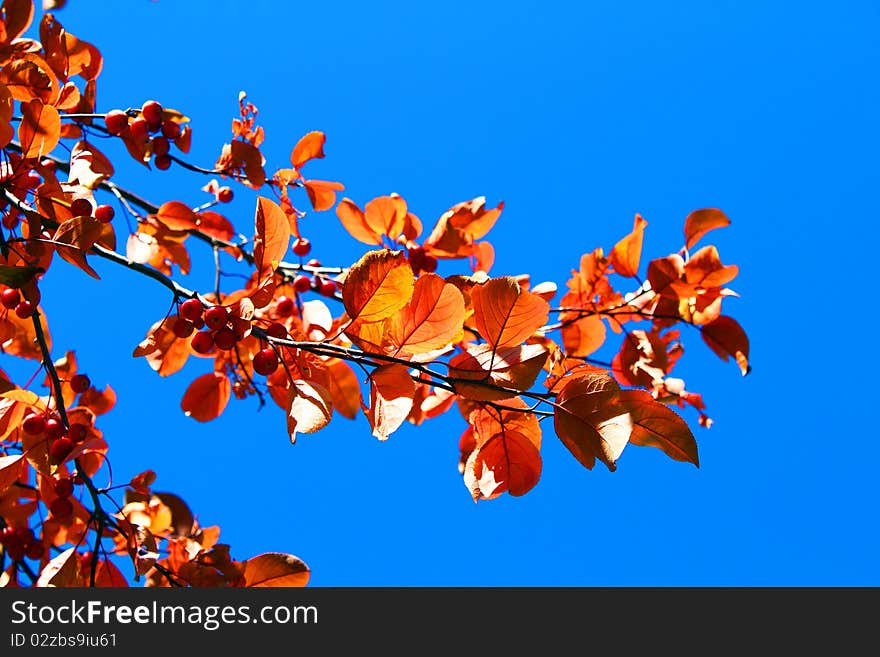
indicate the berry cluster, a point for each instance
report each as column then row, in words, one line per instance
column 61, row 507
column 303, row 283
column 150, row 122
column 220, row 329
column 82, row 207
column 62, row 440
column 10, row 299
column 20, row 542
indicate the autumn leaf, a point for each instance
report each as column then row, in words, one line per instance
column 275, row 569
column 581, row 337
column 505, row 314
column 206, row 397
column 28, row 77
column 344, row 388
column 700, row 222
column 515, row 368
column 89, row 167
column 310, row 409
column 80, row 233
column 507, row 462
column 18, row 15
column 727, row 338
column 62, row 571
column 488, row 421
column 377, row 286
column 432, row 319
column 39, row 130
column 459, row 227
column 587, row 421
column 391, row 399
column 627, row 252
column 10, row 470
column 7, row 109
column 322, row 193
column 311, row 146
column 384, row 215
column 272, row 236
column 355, row 222
column 18, row 276
column 656, row 425
column 175, row 215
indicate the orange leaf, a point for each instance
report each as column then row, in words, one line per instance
column 308, row 148
column 505, row 314
column 80, row 233
column 727, row 338
column 507, row 462
column 514, row 368
column 664, row 274
column 656, row 425
column 587, row 421
column 10, row 470
column 7, row 109
column 704, row 269
column 460, row 226
column 18, row 15
column 322, row 193
column 700, row 222
column 583, row 336
column 175, row 215
column 355, row 222
column 432, row 319
column 377, row 286
column 88, row 166
column 215, row 224
column 391, row 399
column 487, row 421
column 627, row 252
column 344, row 388
column 142, row 482
column 29, row 77
column 310, row 408
column 387, row 214
column 99, row 401
column 272, row 236
column 39, row 130
column 63, row 570
column 275, row 569
column 206, row 397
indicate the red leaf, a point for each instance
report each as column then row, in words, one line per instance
column 507, row 462
column 355, row 222
column 275, row 569
column 505, row 314
column 39, row 130
column 322, row 193
column 700, row 222
column 432, row 319
column 10, row 470
column 583, row 336
column 80, row 233
column 272, row 236
column 515, row 368
column 727, row 338
column 391, row 399
column 175, row 215
column 206, row 397
column 656, row 425
column 377, row 286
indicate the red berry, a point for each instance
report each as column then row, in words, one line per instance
column 314, row 262
column 216, row 317
column 301, row 246
column 191, row 309
column 276, row 330
column 162, row 162
column 81, row 207
column 159, row 145
column 63, row 487
column 35, row 550
column 199, row 323
column 302, row 283
column 78, row 433
column 10, row 298
column 265, row 361
column 182, row 328
column 429, row 264
column 202, row 342
column 6, row 535
column 116, row 122
column 224, row 194
column 59, row 450
column 170, row 129
column 105, row 213
column 139, row 129
column 24, row 536
column 11, row 219
column 152, row 111
column 49, row 165
column 25, row 309
column 32, row 180
column 61, row 507
column 80, row 383
column 328, row 288
column 225, row 338
column 34, row 425
column 54, row 429
column 16, row 551
column 284, row 307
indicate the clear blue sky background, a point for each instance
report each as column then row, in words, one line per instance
column 577, row 115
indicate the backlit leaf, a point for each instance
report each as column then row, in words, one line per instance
column 80, row 233
column 627, row 252
column 175, row 215
column 515, row 368
column 40, row 128
column 507, row 462
column 355, row 222
column 7, row 109
column 322, row 193
column 391, row 399
column 206, row 397
column 10, row 470
column 432, row 319
column 310, row 408
column 505, row 314
column 29, row 77
column 89, row 167
column 727, row 338
column 700, row 222
column 344, row 388
column 377, row 286
column 275, row 569
column 61, row 571
column 581, row 337
column 311, row 146
column 656, row 425
column 488, row 421
column 272, row 236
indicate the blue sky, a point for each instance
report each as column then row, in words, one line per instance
column 577, row 115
